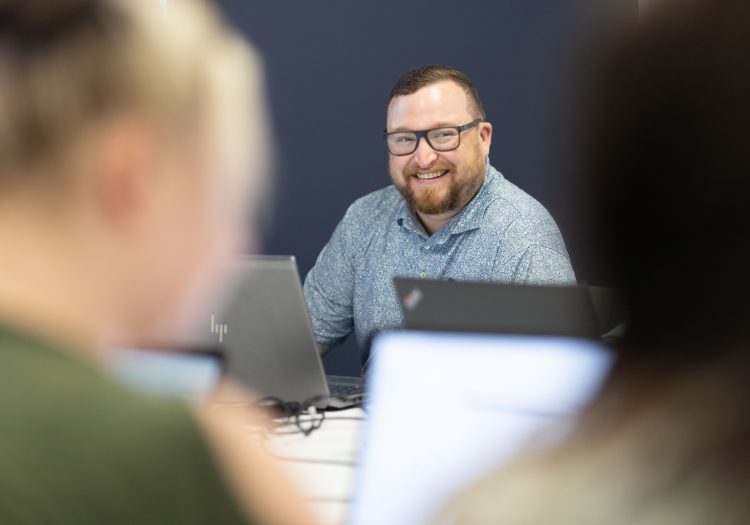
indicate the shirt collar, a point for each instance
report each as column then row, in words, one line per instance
column 470, row 218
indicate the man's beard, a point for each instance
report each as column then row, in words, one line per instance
column 460, row 186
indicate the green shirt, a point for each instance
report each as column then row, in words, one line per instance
column 76, row 447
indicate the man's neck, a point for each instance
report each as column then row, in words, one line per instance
column 433, row 223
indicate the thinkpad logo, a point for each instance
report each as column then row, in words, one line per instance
column 412, row 299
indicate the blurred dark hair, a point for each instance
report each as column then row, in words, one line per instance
column 669, row 163
column 65, row 63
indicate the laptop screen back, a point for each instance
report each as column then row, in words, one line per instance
column 261, row 327
column 445, row 408
column 500, row 308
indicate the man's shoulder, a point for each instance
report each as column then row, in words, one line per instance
column 519, row 218
column 121, row 448
column 510, row 204
column 37, row 370
column 374, row 206
column 514, row 201
column 384, row 198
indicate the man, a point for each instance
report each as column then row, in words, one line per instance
column 449, row 214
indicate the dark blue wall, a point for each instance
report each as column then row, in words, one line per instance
column 331, row 63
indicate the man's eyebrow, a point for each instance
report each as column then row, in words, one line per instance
column 443, row 124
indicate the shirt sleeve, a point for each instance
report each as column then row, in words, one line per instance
column 329, row 288
column 539, row 265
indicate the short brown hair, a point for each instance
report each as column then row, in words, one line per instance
column 417, row 78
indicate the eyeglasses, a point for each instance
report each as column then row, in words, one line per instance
column 448, row 138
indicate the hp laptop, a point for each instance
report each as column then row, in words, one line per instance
column 263, row 333
column 460, row 306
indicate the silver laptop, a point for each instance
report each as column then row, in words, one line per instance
column 447, row 408
column 263, row 333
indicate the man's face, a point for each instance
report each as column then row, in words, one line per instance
column 460, row 172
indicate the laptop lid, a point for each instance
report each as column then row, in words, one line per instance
column 265, row 333
column 609, row 307
column 443, row 409
column 496, row 308
column 262, row 329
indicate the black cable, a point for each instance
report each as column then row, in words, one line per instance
column 327, row 418
column 293, row 412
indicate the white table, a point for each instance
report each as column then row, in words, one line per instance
column 324, row 463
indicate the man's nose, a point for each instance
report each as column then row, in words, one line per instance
column 424, row 155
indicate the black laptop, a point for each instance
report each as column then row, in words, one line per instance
column 486, row 307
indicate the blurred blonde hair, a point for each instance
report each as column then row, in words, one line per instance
column 65, row 63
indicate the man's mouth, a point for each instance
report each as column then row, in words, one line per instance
column 431, row 175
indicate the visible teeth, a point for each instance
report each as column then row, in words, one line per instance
column 431, row 175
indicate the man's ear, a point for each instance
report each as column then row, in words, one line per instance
column 125, row 157
column 485, row 137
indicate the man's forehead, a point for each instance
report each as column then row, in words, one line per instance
column 441, row 103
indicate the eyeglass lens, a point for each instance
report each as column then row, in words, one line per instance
column 441, row 139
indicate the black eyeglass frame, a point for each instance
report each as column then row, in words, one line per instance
column 422, row 133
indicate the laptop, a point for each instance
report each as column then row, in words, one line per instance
column 264, row 336
column 610, row 307
column 487, row 307
column 446, row 408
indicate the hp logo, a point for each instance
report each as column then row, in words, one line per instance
column 218, row 328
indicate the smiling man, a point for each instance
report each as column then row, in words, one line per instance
column 448, row 215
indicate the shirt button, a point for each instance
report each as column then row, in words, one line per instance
column 426, row 247
column 423, row 275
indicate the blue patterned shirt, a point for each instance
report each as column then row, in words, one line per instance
column 502, row 235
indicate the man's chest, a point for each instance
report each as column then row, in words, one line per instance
column 406, row 254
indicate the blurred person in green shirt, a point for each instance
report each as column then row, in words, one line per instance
column 131, row 148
